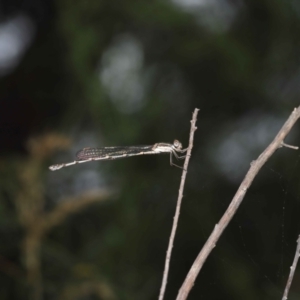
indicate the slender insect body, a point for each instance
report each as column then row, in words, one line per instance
column 103, row 153
column 111, row 153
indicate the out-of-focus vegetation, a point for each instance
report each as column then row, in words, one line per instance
column 101, row 73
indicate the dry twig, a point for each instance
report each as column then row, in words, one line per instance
column 179, row 200
column 292, row 272
column 235, row 203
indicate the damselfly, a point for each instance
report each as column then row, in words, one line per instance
column 110, row 153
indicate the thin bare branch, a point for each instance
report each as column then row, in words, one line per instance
column 289, row 146
column 235, row 203
column 178, row 205
column 292, row 272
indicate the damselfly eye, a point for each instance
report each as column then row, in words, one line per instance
column 177, row 144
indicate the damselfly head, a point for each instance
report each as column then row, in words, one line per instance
column 177, row 145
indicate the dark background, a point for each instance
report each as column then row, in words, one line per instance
column 126, row 72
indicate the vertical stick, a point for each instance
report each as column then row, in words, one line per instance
column 179, row 200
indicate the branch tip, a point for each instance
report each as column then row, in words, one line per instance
column 283, row 144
